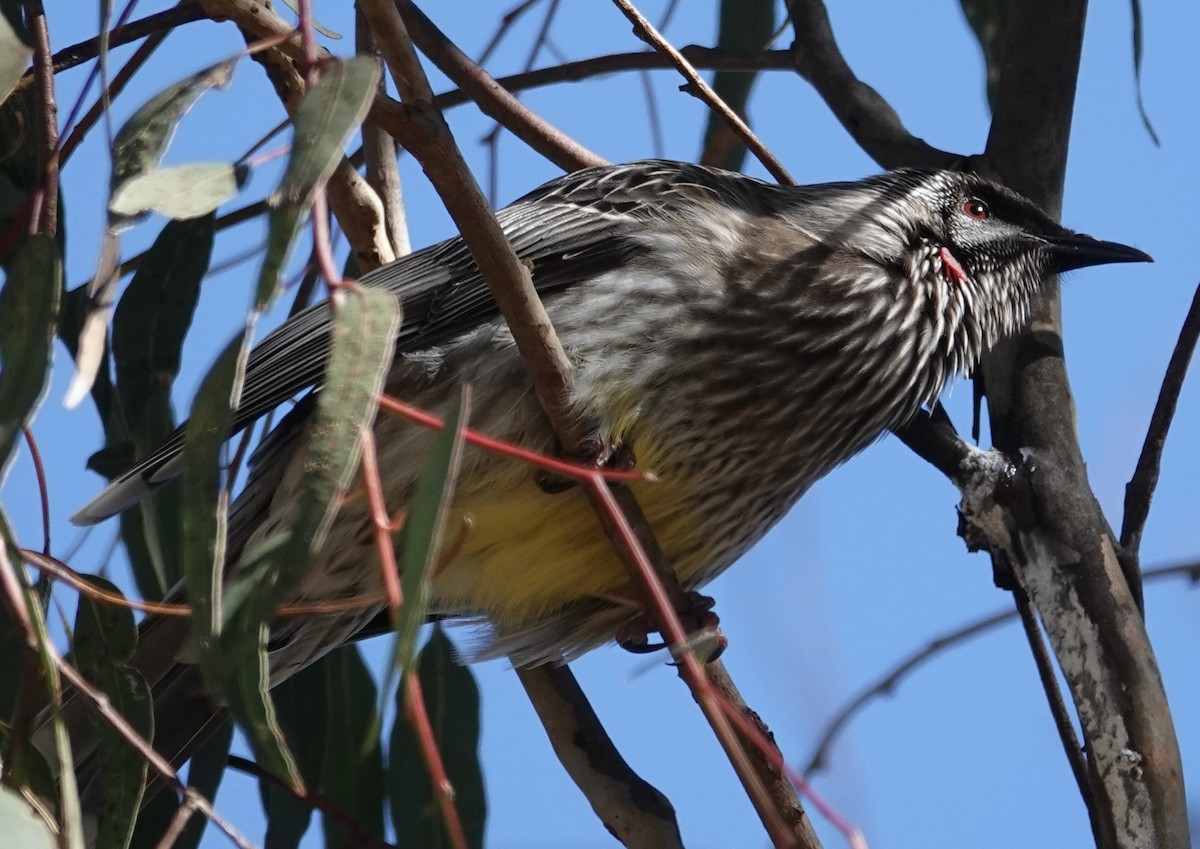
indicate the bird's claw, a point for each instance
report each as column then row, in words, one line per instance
column 597, row 454
column 702, row 624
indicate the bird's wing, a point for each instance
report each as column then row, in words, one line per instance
column 568, row 231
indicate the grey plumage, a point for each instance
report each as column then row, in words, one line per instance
column 742, row 338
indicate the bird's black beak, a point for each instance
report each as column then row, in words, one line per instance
column 1075, row 250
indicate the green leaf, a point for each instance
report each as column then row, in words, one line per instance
column 28, row 312
column 149, row 326
column 20, row 826
column 143, row 139
column 744, row 25
column 1136, row 8
column 179, row 191
column 233, row 660
column 423, row 528
column 452, row 702
column 105, row 636
column 151, row 321
column 988, row 20
column 353, row 779
column 205, row 771
column 325, row 711
column 14, row 58
column 326, row 117
column 70, row 820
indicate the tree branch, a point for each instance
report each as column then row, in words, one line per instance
column 1140, row 488
column 632, row 810
column 1058, row 542
column 494, row 101
column 643, row 29
column 887, row 683
column 867, row 117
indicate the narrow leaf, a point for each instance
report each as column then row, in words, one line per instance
column 140, row 143
column 744, row 25
column 179, row 191
column 14, row 58
column 104, row 639
column 323, row 123
column 423, row 529
column 20, row 825
column 232, row 655
column 452, row 701
column 988, row 20
column 352, row 778
column 28, row 311
column 149, row 326
column 1136, row 7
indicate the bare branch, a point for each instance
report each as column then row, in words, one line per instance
column 168, row 19
column 493, row 99
column 886, row 684
column 1055, row 537
column 1140, row 488
column 354, row 202
column 867, row 117
column 632, row 810
column 644, row 30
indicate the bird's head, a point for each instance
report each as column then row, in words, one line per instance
column 984, row 231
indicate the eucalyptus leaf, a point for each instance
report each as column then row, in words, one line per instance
column 179, row 191
column 452, row 702
column 19, row 824
column 324, row 120
column 28, row 312
column 142, row 140
column 14, row 58
column 745, row 25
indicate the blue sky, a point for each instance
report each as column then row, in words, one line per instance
column 867, row 567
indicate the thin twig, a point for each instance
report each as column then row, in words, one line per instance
column 183, row 815
column 1054, row 697
column 632, row 810
column 867, row 117
column 362, row 835
column 43, row 488
column 707, row 58
column 887, row 683
column 443, row 791
column 1140, row 488
column 185, row 12
column 493, row 99
column 644, row 30
column 44, row 217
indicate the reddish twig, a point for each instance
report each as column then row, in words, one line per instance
column 562, row 468
column 43, row 488
column 44, row 213
column 381, row 524
column 443, row 791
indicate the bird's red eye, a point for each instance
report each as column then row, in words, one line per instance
column 976, row 208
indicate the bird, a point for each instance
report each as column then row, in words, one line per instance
column 739, row 339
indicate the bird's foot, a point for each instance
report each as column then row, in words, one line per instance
column 596, row 454
column 702, row 624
